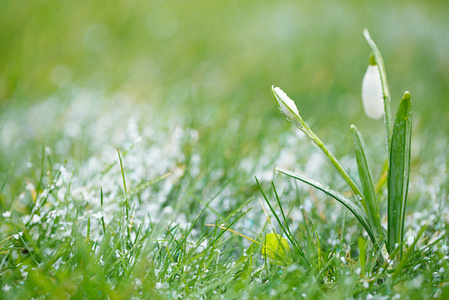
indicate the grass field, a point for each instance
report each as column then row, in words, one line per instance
column 139, row 141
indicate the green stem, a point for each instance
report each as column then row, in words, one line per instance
column 303, row 126
column 289, row 109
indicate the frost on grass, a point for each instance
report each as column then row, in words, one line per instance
column 163, row 168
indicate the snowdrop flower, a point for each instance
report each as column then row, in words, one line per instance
column 289, row 109
column 372, row 99
column 286, row 105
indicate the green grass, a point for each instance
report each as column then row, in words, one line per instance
column 182, row 91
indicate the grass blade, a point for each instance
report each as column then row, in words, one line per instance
column 290, row 237
column 407, row 255
column 399, row 172
column 358, row 213
column 147, row 184
column 366, row 180
column 124, row 184
column 362, row 254
column 283, row 215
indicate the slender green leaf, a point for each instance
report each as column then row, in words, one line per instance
column 124, row 184
column 147, row 184
column 220, row 216
column 366, row 180
column 319, row 254
column 362, row 253
column 407, row 255
column 284, row 225
column 358, row 213
column 289, row 236
column 399, row 172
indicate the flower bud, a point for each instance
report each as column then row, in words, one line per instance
column 372, row 96
column 286, row 105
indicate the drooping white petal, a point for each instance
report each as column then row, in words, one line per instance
column 372, row 93
column 286, row 105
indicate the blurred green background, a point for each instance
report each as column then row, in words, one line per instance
column 71, row 72
column 219, row 58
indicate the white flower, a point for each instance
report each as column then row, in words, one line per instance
column 372, row 99
column 286, row 105
column 6, row 214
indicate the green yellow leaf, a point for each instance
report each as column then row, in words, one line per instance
column 275, row 246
